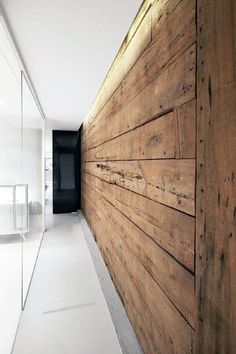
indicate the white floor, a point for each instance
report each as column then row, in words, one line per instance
column 66, row 312
column 15, row 256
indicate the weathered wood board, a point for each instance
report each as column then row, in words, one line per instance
column 159, row 316
column 174, row 86
column 172, row 230
column 170, row 182
column 216, row 181
column 172, row 38
column 139, row 175
column 167, row 137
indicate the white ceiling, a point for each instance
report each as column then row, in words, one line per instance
column 10, row 89
column 68, row 47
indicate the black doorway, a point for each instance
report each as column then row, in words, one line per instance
column 66, row 171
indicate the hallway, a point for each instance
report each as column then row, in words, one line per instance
column 66, row 312
column 119, row 117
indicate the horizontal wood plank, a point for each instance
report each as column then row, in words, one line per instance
column 173, row 37
column 174, row 280
column 170, row 136
column 157, row 139
column 169, row 228
column 132, row 275
column 162, row 11
column 173, row 87
column 170, row 182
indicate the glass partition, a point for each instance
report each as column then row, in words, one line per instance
column 21, row 188
column 32, row 124
column 10, row 209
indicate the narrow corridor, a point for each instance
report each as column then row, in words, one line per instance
column 66, row 312
column 118, row 137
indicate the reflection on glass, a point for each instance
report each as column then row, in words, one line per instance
column 10, row 210
column 21, row 187
column 32, row 177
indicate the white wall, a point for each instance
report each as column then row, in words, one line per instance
column 10, row 154
column 32, row 164
column 10, row 158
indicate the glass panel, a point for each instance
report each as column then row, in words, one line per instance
column 10, row 175
column 32, row 180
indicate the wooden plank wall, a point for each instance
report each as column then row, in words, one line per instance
column 138, row 176
column 216, row 177
column 158, row 175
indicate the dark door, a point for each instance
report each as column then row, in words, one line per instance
column 66, row 171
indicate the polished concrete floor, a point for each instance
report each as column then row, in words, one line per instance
column 66, row 312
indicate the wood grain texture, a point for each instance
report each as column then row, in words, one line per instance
column 173, row 87
column 216, row 182
column 166, row 109
column 157, row 139
column 163, row 10
column 159, row 314
column 170, row 136
column 169, row 228
column 186, row 115
column 138, row 175
column 174, row 280
column 170, row 182
column 173, row 37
